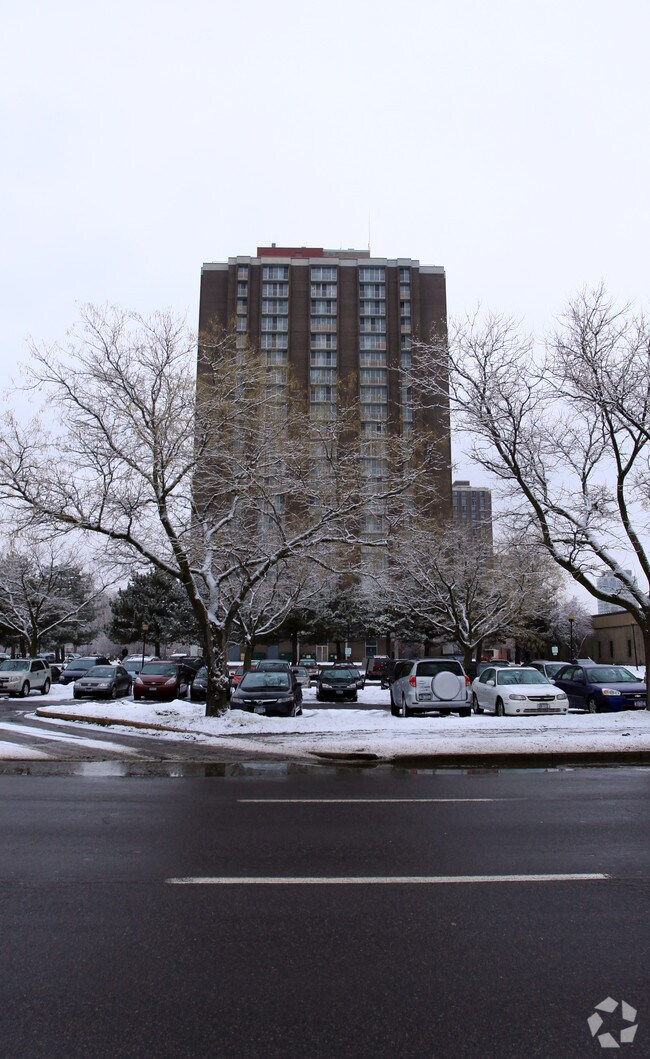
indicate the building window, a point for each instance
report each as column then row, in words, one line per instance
column 275, row 323
column 242, row 305
column 371, row 274
column 323, row 308
column 323, row 341
column 322, row 376
column 373, row 308
column 372, row 360
column 372, row 290
column 320, row 272
column 324, row 290
column 276, row 306
column 323, row 323
column 372, row 412
column 372, row 341
column 324, row 358
column 369, row 325
column 242, row 272
column 275, row 272
column 242, row 324
column 369, row 376
column 274, row 341
column 275, row 290
column 242, row 290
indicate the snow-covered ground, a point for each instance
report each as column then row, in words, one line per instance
column 365, row 731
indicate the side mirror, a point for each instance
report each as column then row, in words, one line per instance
column 491, row 683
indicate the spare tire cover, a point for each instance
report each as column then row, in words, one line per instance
column 446, row 685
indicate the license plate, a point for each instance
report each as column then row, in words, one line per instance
column 259, row 709
column 424, row 697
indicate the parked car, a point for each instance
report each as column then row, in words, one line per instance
column 337, row 682
column 302, row 675
column 598, row 688
column 431, row 684
column 270, row 691
column 548, row 669
column 78, row 667
column 133, row 666
column 19, row 676
column 199, row 686
column 516, row 690
column 160, row 680
column 191, row 664
column 103, row 681
column 375, row 666
column 393, row 665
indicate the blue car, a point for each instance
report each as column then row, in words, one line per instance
column 601, row 688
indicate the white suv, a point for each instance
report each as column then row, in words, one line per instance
column 19, row 676
column 431, row 684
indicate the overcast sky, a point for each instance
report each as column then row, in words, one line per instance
column 507, row 141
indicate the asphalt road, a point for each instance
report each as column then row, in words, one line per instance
column 104, row 955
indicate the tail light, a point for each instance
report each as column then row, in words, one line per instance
column 467, row 680
column 413, row 681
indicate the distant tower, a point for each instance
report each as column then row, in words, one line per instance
column 473, row 508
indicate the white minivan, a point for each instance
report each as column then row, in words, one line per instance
column 19, row 676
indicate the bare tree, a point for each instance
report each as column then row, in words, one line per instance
column 213, row 479
column 567, row 436
column 45, row 596
column 454, row 588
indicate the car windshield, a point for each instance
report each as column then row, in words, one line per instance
column 610, row 675
column 520, row 676
column 300, row 672
column 340, row 674
column 202, row 673
column 263, row 680
column 101, row 671
column 160, row 669
column 552, row 668
column 13, row 665
column 82, row 663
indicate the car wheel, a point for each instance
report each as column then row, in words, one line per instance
column 355, row 698
column 319, row 697
column 592, row 705
column 24, row 691
column 465, row 712
column 45, row 688
column 113, row 692
column 76, row 695
column 404, row 711
column 393, row 706
column 136, row 696
column 475, row 705
column 500, row 712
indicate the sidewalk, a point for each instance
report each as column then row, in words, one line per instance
column 373, row 735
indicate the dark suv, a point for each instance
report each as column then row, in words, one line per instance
column 78, row 667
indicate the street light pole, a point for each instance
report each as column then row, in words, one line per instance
column 572, row 618
column 145, row 628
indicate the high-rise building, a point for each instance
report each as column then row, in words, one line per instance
column 337, row 317
column 473, row 509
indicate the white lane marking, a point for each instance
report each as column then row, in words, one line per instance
column 369, row 880
column 38, row 733
column 365, row 801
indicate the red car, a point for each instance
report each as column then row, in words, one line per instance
column 160, row 680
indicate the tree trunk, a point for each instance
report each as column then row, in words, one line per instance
column 249, row 647
column 339, row 650
column 645, row 632
column 294, row 647
column 33, row 647
column 389, row 645
column 215, row 652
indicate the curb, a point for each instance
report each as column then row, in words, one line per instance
column 516, row 759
